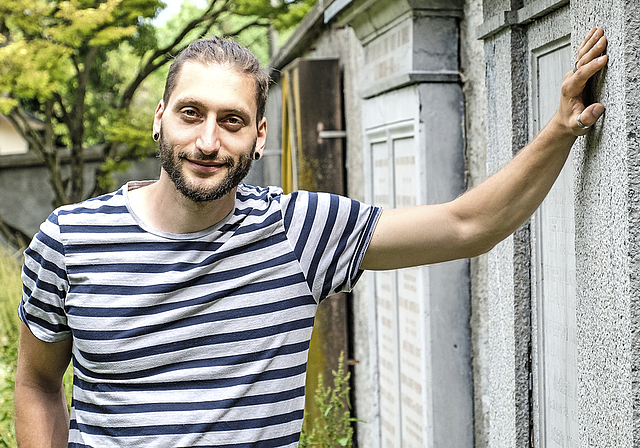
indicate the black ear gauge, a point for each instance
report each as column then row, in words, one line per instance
column 156, row 137
column 256, row 156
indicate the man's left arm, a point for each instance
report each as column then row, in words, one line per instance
column 479, row 219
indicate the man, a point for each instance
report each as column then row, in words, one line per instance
column 187, row 303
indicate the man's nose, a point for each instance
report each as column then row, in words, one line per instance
column 208, row 140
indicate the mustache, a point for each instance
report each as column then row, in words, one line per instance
column 227, row 160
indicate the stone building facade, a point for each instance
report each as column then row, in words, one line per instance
column 533, row 344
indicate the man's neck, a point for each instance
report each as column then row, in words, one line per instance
column 161, row 206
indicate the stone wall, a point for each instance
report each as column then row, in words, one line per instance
column 560, row 361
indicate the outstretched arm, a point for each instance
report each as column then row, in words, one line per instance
column 42, row 418
column 479, row 219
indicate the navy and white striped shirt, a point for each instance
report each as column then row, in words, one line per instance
column 193, row 339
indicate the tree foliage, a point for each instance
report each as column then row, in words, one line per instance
column 80, row 67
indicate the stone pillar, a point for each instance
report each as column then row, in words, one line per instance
column 562, row 308
column 607, row 209
column 508, row 310
column 413, row 118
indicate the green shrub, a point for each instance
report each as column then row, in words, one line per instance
column 333, row 427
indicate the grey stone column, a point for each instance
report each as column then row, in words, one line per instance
column 594, row 401
column 413, row 121
column 608, row 236
column 508, row 284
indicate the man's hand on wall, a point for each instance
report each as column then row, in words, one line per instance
column 573, row 113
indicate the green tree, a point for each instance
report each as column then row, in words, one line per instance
column 81, row 67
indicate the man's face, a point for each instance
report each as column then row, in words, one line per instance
column 172, row 161
column 208, row 133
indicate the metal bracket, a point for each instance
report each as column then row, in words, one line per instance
column 332, row 134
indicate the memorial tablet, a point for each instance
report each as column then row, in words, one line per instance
column 386, row 307
column 399, row 299
column 410, row 306
column 556, row 264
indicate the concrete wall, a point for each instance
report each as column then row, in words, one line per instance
column 10, row 141
column 580, row 317
column 472, row 67
column 25, row 194
column 270, row 164
column 606, row 237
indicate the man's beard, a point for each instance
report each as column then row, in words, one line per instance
column 236, row 171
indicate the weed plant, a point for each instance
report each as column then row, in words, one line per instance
column 333, row 427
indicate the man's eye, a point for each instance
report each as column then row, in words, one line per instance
column 233, row 122
column 190, row 113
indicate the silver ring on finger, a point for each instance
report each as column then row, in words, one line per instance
column 575, row 66
column 580, row 123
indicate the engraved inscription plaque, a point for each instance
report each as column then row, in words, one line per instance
column 387, row 307
column 410, row 306
column 400, row 310
column 556, row 289
column 389, row 54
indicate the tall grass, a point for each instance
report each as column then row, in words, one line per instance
column 10, row 292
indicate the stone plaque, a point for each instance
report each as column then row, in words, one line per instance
column 556, row 289
column 399, row 299
column 387, row 308
column 410, row 307
column 389, row 54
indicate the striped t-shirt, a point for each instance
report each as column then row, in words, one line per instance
column 193, row 339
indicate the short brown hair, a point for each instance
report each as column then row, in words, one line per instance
column 226, row 52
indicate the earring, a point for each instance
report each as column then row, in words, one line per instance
column 156, row 137
column 256, row 156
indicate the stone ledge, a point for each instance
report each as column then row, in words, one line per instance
column 31, row 159
column 406, row 79
column 524, row 15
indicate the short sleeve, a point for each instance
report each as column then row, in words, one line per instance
column 45, row 284
column 330, row 235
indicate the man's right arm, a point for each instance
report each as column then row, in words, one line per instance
column 42, row 417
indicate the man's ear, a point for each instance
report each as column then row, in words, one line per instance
column 261, row 139
column 157, row 117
